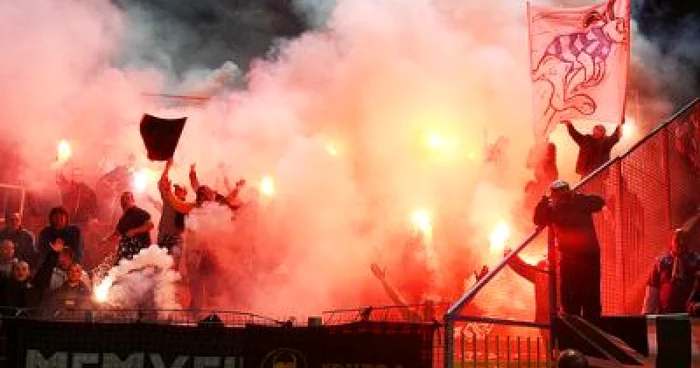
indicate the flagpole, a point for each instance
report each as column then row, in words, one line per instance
column 532, row 89
column 628, row 19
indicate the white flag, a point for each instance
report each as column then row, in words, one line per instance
column 580, row 61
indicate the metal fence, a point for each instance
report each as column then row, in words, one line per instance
column 649, row 191
column 12, row 198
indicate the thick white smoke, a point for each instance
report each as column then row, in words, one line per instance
column 386, row 109
column 145, row 282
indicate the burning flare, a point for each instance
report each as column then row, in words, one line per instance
column 102, row 290
column 435, row 141
column 499, row 236
column 332, row 148
column 139, row 180
column 422, row 222
column 63, row 151
column 267, row 186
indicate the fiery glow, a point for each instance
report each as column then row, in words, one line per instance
column 332, row 148
column 499, row 236
column 63, row 151
column 267, row 186
column 102, row 290
column 139, row 180
column 435, row 141
column 629, row 130
column 422, row 222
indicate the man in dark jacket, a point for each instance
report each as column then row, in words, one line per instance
column 571, row 216
column 594, row 149
column 59, row 228
column 21, row 237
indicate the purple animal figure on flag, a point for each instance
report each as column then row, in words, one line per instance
column 575, row 63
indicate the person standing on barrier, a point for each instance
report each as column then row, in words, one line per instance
column 594, row 149
column 571, row 216
column 671, row 280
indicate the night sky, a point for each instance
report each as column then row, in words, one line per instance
column 206, row 33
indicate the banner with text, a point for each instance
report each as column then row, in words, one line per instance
column 34, row 344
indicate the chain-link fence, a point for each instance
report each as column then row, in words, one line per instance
column 649, row 191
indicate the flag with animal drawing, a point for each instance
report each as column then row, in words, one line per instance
column 580, row 62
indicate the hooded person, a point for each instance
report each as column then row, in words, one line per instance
column 570, row 214
column 671, row 281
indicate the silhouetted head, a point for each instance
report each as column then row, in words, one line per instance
column 58, row 218
column 560, row 191
column 679, row 242
column 180, row 192
column 599, row 131
column 127, row 200
column 571, row 359
column 205, row 194
column 13, row 221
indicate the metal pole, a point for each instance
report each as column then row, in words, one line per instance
column 552, row 262
column 449, row 343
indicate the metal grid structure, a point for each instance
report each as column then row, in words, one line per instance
column 168, row 317
column 649, row 191
column 12, row 199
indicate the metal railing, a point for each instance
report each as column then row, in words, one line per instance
column 453, row 314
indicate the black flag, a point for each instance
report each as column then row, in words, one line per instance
column 161, row 136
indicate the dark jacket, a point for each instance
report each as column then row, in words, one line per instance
column 71, row 236
column 573, row 223
column 593, row 152
column 674, row 293
column 24, row 244
column 29, row 293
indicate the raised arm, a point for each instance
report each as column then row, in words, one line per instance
column 169, row 197
column 194, row 181
column 393, row 294
column 522, row 268
column 575, row 134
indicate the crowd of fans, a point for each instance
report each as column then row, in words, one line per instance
column 45, row 273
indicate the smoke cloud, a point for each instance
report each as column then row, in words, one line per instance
column 145, row 282
column 385, row 109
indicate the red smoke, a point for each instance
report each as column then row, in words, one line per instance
column 351, row 128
